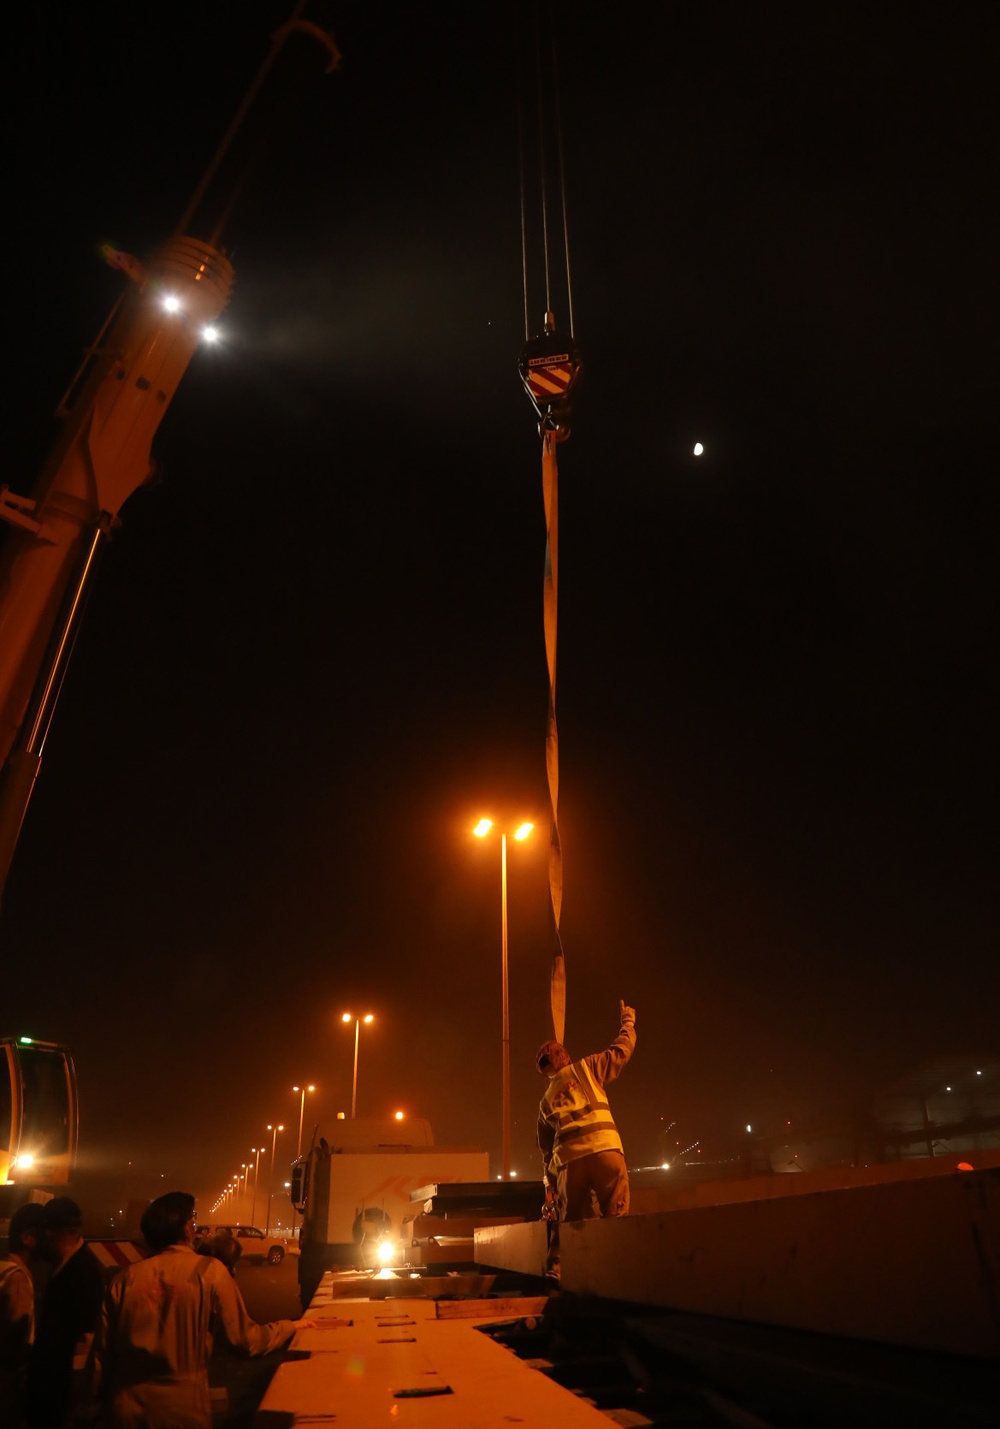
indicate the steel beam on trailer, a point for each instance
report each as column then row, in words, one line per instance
column 909, row 1262
column 489, row 1198
column 521, row 1248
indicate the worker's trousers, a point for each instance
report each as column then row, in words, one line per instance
column 594, row 1185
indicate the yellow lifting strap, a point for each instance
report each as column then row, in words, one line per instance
column 550, row 492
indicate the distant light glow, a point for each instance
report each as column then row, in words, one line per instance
column 172, row 303
column 749, row 1127
column 523, row 831
column 25, row 1162
column 399, row 1116
column 665, row 1166
column 698, row 448
column 386, row 1252
column 210, row 334
column 483, row 828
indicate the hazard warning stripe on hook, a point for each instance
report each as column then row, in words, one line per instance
column 549, row 381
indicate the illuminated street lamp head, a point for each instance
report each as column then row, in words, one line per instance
column 520, row 833
column 310, row 1088
column 350, row 1017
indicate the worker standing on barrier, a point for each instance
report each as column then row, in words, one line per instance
column 583, row 1163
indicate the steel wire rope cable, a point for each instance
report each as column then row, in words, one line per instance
column 549, row 396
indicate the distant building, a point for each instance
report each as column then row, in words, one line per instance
column 946, row 1106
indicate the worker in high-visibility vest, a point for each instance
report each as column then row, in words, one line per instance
column 583, row 1162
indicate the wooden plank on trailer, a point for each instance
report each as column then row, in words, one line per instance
column 510, row 1308
column 399, row 1362
column 363, row 1285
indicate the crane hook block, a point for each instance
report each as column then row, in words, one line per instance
column 551, row 367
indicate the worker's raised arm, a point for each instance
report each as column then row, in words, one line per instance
column 607, row 1065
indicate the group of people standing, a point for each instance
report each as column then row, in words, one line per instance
column 131, row 1352
column 78, row 1349
column 51, row 1287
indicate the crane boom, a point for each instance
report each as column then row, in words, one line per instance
column 102, row 455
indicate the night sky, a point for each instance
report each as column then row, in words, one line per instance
column 314, row 654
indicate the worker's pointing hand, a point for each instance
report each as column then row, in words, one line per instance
column 628, row 1013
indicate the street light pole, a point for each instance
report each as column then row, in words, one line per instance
column 302, row 1112
column 270, row 1180
column 256, row 1179
column 349, row 1017
column 505, row 1032
column 521, row 833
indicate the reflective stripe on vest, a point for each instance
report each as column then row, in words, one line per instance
column 577, row 1110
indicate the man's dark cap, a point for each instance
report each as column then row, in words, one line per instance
column 547, row 1051
column 62, row 1214
column 28, row 1219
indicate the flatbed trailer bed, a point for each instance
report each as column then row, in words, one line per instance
column 404, row 1362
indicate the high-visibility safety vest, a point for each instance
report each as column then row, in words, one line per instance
column 576, row 1108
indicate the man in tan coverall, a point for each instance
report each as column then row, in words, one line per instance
column 150, row 1355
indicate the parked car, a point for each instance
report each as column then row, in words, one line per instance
column 254, row 1244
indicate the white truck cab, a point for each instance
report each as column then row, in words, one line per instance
column 353, row 1188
